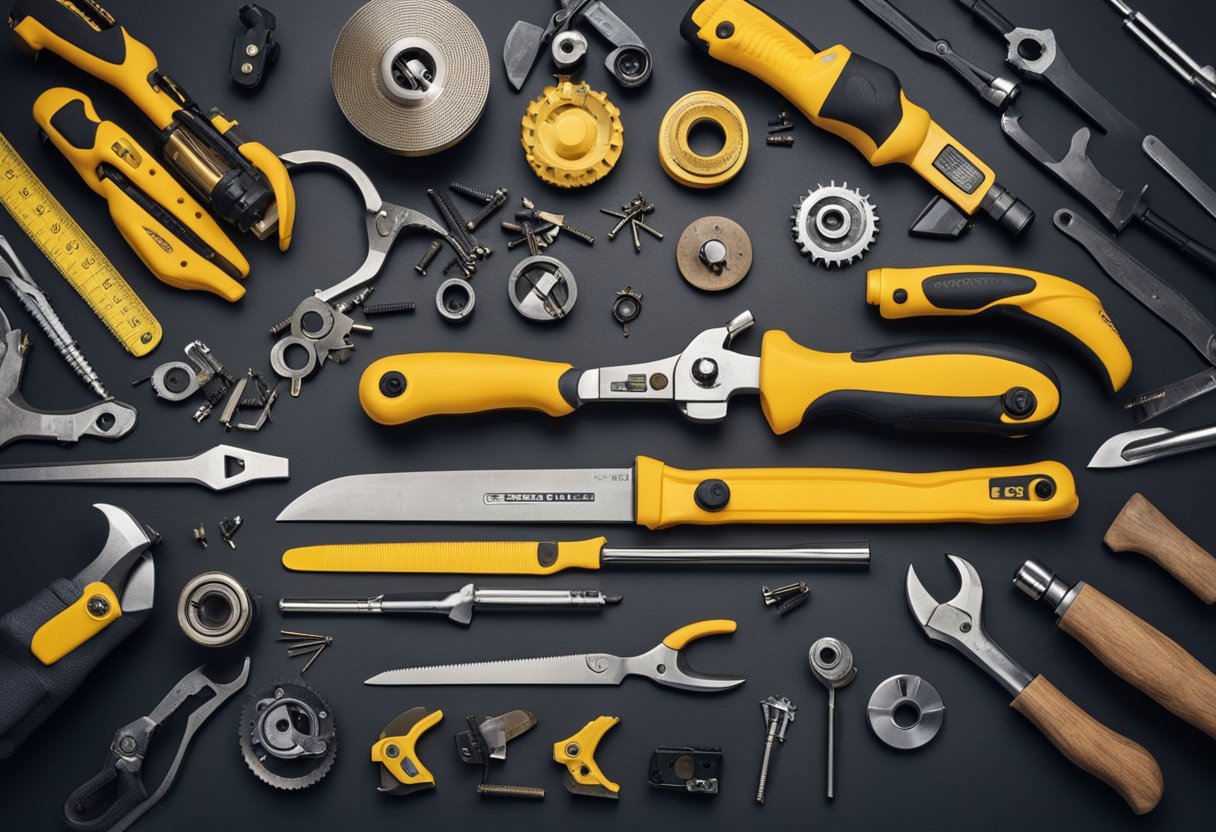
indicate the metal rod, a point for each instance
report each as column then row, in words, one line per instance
column 1175, row 443
column 847, row 553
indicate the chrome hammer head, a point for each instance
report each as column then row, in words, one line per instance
column 959, row 623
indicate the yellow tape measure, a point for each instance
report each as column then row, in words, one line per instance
column 77, row 257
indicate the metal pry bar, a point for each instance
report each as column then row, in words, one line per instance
column 218, row 469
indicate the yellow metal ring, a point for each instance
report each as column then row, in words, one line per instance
column 678, row 158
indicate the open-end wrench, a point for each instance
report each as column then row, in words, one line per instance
column 1114, row 759
column 219, row 469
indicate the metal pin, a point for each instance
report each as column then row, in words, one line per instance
column 308, row 663
column 294, row 635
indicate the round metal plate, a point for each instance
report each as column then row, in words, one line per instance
column 738, row 253
column 542, row 288
column 834, row 224
column 398, row 120
column 911, row 696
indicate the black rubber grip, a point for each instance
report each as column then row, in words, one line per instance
column 73, row 123
column 1182, row 241
column 867, row 96
column 71, row 21
column 957, row 348
column 567, row 385
column 980, row 414
column 975, row 290
column 105, row 799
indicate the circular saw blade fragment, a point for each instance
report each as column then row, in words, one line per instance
column 287, row 735
column 834, row 224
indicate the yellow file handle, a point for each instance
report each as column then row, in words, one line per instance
column 401, row 388
column 95, row 609
column 462, row 558
column 956, row 386
column 1031, row 493
column 971, row 290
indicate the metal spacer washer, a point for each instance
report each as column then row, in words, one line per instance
column 455, row 299
column 542, row 288
column 902, row 698
column 714, row 253
column 678, row 158
column 214, row 610
column 568, row 50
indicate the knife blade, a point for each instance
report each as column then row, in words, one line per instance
column 556, row 670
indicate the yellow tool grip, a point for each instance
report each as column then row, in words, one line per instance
column 272, row 167
column 577, row 754
column 699, row 629
column 405, row 749
column 95, row 609
column 957, row 386
column 849, row 95
column 971, row 290
column 461, row 558
column 1031, row 493
column 401, row 388
column 171, row 232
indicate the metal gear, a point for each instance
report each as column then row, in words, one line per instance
column 834, row 225
column 287, row 735
column 571, row 134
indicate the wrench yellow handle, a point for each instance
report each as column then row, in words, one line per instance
column 957, row 386
column 401, row 388
column 972, row 290
column 1114, row 759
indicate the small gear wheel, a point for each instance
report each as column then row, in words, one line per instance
column 287, row 735
column 572, row 135
column 834, row 225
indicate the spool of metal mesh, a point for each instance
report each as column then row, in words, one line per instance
column 411, row 75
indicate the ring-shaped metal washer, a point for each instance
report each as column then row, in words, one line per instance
column 457, row 313
column 160, row 377
column 278, row 361
column 900, row 692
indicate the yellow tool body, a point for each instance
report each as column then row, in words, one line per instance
column 241, row 180
column 464, row 557
column 399, row 755
column 81, row 262
column 577, row 754
column 933, row 386
column 972, row 290
column 170, row 231
column 854, row 97
column 95, row 609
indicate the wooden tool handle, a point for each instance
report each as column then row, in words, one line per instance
column 1114, row 759
column 1144, row 656
column 1140, row 527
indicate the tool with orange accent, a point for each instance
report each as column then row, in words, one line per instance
column 241, row 180
column 51, row 643
column 664, row 664
column 984, row 388
column 859, row 100
column 577, row 753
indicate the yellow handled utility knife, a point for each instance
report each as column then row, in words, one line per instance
column 656, row 496
column 971, row 290
column 170, row 231
column 983, row 388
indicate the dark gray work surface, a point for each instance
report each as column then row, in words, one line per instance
column 988, row 767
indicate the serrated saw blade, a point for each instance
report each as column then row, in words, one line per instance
column 411, row 75
column 834, row 225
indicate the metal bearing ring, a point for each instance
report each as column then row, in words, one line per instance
column 906, row 712
column 455, row 299
column 278, row 357
column 568, row 50
column 542, row 288
column 175, row 381
column 214, row 610
column 678, row 158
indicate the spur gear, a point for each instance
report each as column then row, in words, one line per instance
column 572, row 135
column 834, row 224
column 287, row 735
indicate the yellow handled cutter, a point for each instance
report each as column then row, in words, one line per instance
column 159, row 219
column 854, row 97
column 241, row 180
column 401, row 771
column 972, row 290
column 577, row 753
column 934, row 386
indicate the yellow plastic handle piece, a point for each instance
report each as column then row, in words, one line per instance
column 73, row 126
column 404, row 748
column 1031, row 493
column 699, row 629
column 945, row 385
column 463, row 558
column 970, row 290
column 577, row 754
column 846, row 94
column 272, row 167
column 401, row 388
column 95, row 609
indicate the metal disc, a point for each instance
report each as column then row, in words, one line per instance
column 911, row 695
column 834, row 224
column 738, row 253
column 380, row 94
column 287, row 735
column 542, row 288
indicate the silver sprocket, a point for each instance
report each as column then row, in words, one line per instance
column 287, row 735
column 834, row 225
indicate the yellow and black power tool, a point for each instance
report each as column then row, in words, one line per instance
column 241, row 180
column 862, row 102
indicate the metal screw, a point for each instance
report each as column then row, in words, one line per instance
column 779, row 126
column 431, row 251
column 388, row 308
column 517, row 792
column 776, row 596
column 778, row 714
column 127, row 744
column 246, row 68
column 470, row 192
column 780, row 141
column 251, row 50
column 200, row 534
column 496, row 201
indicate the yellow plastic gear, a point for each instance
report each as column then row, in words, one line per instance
column 572, row 135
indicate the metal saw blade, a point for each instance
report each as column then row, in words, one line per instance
column 580, row 669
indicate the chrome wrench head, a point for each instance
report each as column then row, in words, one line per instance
column 959, row 623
